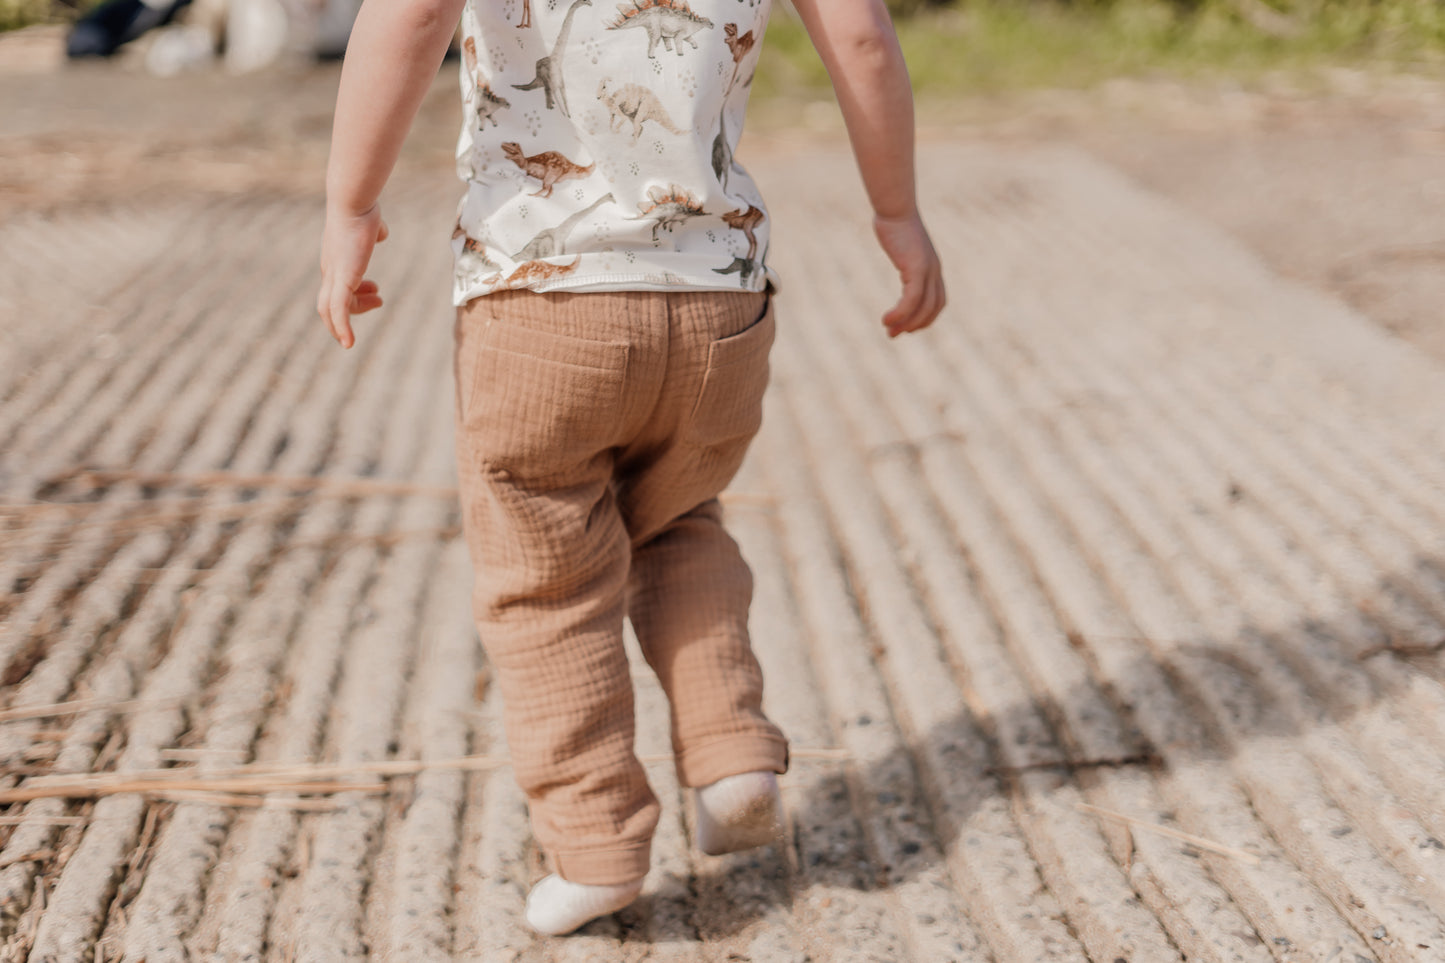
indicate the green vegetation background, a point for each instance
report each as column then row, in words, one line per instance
column 994, row 45
column 960, row 46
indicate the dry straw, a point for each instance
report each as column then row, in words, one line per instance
column 310, row 779
column 1198, row 842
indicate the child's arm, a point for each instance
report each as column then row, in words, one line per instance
column 858, row 45
column 392, row 58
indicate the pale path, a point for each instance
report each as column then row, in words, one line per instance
column 1140, row 537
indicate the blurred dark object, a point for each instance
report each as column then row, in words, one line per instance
column 333, row 28
column 102, row 31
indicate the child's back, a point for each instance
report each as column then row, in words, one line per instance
column 598, row 147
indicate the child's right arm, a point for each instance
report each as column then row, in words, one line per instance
column 859, row 47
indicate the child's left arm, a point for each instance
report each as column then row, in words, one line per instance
column 395, row 49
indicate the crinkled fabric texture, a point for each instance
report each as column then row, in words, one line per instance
column 598, row 146
column 595, row 433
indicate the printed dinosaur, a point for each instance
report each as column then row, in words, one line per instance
column 722, row 151
column 739, row 45
column 484, row 101
column 549, row 68
column 549, row 167
column 473, row 261
column 670, row 21
column 636, row 103
column 533, row 271
column 743, row 267
column 746, row 221
column 669, row 207
column 552, row 241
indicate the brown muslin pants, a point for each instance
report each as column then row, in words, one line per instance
column 595, row 432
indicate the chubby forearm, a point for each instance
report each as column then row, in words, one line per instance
column 392, row 58
column 859, row 47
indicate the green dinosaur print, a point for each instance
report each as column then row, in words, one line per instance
column 552, row 241
column 549, row 68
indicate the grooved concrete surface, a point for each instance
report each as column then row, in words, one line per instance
column 1139, row 528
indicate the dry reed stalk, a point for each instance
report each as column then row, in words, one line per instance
column 82, row 705
column 38, row 856
column 1198, row 842
column 339, row 487
column 279, row 777
column 46, row 820
column 247, row 800
column 147, row 521
column 90, row 789
column 280, row 773
column 27, row 509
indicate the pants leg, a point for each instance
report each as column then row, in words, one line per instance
column 690, row 588
column 552, row 556
column 689, row 607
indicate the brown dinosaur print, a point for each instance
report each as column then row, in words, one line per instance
column 746, row 221
column 533, row 271
column 668, row 208
column 549, row 167
column 738, row 45
column 670, row 21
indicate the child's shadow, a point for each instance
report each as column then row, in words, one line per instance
column 913, row 815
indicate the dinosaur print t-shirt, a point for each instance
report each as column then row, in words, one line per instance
column 598, row 146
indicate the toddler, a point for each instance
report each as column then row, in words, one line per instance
column 613, row 327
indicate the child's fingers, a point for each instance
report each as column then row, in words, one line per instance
column 362, row 303
column 323, row 307
column 932, row 305
column 340, row 317
column 897, row 317
column 929, row 305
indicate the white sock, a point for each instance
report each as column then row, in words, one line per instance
column 555, row 906
column 738, row 812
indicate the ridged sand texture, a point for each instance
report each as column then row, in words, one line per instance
column 1138, row 527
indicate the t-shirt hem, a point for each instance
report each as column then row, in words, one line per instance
column 640, row 281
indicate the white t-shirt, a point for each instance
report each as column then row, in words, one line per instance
column 598, row 146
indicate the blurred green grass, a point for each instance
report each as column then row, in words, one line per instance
column 22, row 13
column 987, row 46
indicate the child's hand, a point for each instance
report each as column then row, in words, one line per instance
column 346, row 246
column 906, row 243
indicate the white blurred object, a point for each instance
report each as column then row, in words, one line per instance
column 179, row 48
column 256, row 34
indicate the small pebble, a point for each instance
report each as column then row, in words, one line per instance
column 1379, row 933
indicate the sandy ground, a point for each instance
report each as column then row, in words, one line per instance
column 1105, row 620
